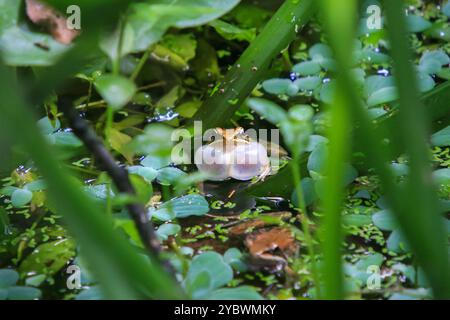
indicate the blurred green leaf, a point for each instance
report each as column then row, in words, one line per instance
column 268, row 110
column 307, row 68
column 116, row 90
column 232, row 32
column 21, row 197
column 48, row 258
column 415, row 23
column 8, row 278
column 19, row 46
column 182, row 207
column 166, row 230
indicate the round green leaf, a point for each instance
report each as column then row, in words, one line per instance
column 417, row 23
column 166, row 230
column 170, row 175
column 213, row 263
column 185, row 206
column 21, row 197
column 148, row 173
column 23, row 293
column 268, row 110
column 8, row 278
column 446, row 9
column 381, row 96
column 234, row 258
column 276, row 86
column 46, row 126
column 375, row 83
column 307, row 68
column 384, row 220
column 397, row 242
column 308, row 83
column 441, row 138
column 116, row 90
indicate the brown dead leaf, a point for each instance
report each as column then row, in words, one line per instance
column 270, row 248
column 42, row 14
column 265, row 242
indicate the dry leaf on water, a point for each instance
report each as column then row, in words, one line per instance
column 41, row 14
column 265, row 246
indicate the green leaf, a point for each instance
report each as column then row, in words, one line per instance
column 444, row 74
column 185, row 206
column 156, row 142
column 239, row 293
column 397, row 242
column 268, row 110
column 155, row 162
column 234, row 258
column 48, row 258
column 327, row 91
column 199, row 287
column 384, row 220
column 441, row 138
column 319, row 52
column 308, row 83
column 8, row 278
column 21, row 197
column 370, row 56
column 309, row 192
column 232, row 32
column 212, row 263
column 170, row 176
column 148, row 173
column 277, row 86
column 36, row 185
column 442, row 178
column 150, row 20
column 66, row 139
column 47, row 126
column 23, row 293
column 426, row 82
column 446, row 9
column 383, row 95
column 119, row 43
column 432, row 61
column 375, row 83
column 166, row 230
column 116, row 90
column 307, row 68
column 416, row 23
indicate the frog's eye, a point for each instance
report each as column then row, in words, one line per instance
column 213, row 160
column 250, row 161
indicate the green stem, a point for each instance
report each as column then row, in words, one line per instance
column 140, row 65
column 296, row 175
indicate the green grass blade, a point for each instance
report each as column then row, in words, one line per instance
column 420, row 219
column 338, row 18
column 252, row 66
column 121, row 270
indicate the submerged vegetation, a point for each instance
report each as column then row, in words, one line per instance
column 352, row 202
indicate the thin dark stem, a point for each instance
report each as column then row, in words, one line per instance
column 118, row 174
